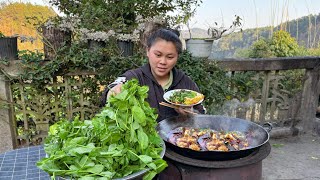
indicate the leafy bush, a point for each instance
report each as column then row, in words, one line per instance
column 122, row 16
column 283, row 45
column 214, row 82
column 261, row 49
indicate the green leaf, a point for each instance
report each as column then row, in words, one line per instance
column 107, row 174
column 161, row 165
column 98, row 168
column 82, row 150
column 150, row 175
column 73, row 167
column 139, row 115
column 47, row 164
column 78, row 140
column 152, row 165
column 145, row 159
column 122, row 95
column 87, row 178
column 53, row 129
column 135, row 125
column 143, row 139
column 83, row 161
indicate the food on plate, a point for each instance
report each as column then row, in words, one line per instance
column 186, row 97
column 207, row 139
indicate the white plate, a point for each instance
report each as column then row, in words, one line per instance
column 168, row 94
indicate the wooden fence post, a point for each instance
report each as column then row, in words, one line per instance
column 7, row 125
column 54, row 39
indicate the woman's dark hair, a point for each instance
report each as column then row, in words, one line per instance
column 165, row 34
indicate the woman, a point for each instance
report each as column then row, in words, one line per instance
column 160, row 74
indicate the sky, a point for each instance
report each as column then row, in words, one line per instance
column 255, row 13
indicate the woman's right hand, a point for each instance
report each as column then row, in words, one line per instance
column 115, row 90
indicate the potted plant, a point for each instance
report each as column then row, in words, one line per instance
column 202, row 47
column 8, row 47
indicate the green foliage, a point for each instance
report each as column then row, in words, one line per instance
column 283, row 45
column 261, row 49
column 280, row 45
column 309, row 52
column 104, row 62
column 2, row 35
column 242, row 53
column 292, row 80
column 214, row 83
column 121, row 16
column 118, row 141
column 77, row 57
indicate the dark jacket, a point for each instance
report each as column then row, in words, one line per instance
column 155, row 94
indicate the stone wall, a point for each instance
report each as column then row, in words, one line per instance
column 6, row 119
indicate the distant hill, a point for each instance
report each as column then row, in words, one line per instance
column 20, row 19
column 306, row 30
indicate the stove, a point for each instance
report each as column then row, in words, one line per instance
column 185, row 168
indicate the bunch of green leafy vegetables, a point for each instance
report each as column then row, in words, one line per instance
column 117, row 142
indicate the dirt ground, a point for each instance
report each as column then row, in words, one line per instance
column 293, row 158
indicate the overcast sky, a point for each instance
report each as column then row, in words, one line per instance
column 255, row 13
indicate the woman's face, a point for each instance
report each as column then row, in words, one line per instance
column 163, row 57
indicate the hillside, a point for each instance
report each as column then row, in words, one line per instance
column 306, row 30
column 21, row 19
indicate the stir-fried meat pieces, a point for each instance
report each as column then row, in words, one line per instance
column 206, row 139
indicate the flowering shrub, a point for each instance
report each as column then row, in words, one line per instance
column 64, row 24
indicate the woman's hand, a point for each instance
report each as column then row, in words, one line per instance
column 114, row 91
column 181, row 110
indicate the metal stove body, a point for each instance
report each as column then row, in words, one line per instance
column 185, row 168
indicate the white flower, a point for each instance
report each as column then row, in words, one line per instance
column 127, row 37
column 65, row 24
column 97, row 35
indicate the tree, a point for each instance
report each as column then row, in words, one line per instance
column 261, row 49
column 283, row 45
column 121, row 15
column 280, row 45
column 20, row 19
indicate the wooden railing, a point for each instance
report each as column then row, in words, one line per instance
column 271, row 103
column 295, row 109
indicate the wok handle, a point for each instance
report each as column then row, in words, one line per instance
column 267, row 126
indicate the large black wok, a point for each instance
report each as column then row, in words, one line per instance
column 258, row 135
